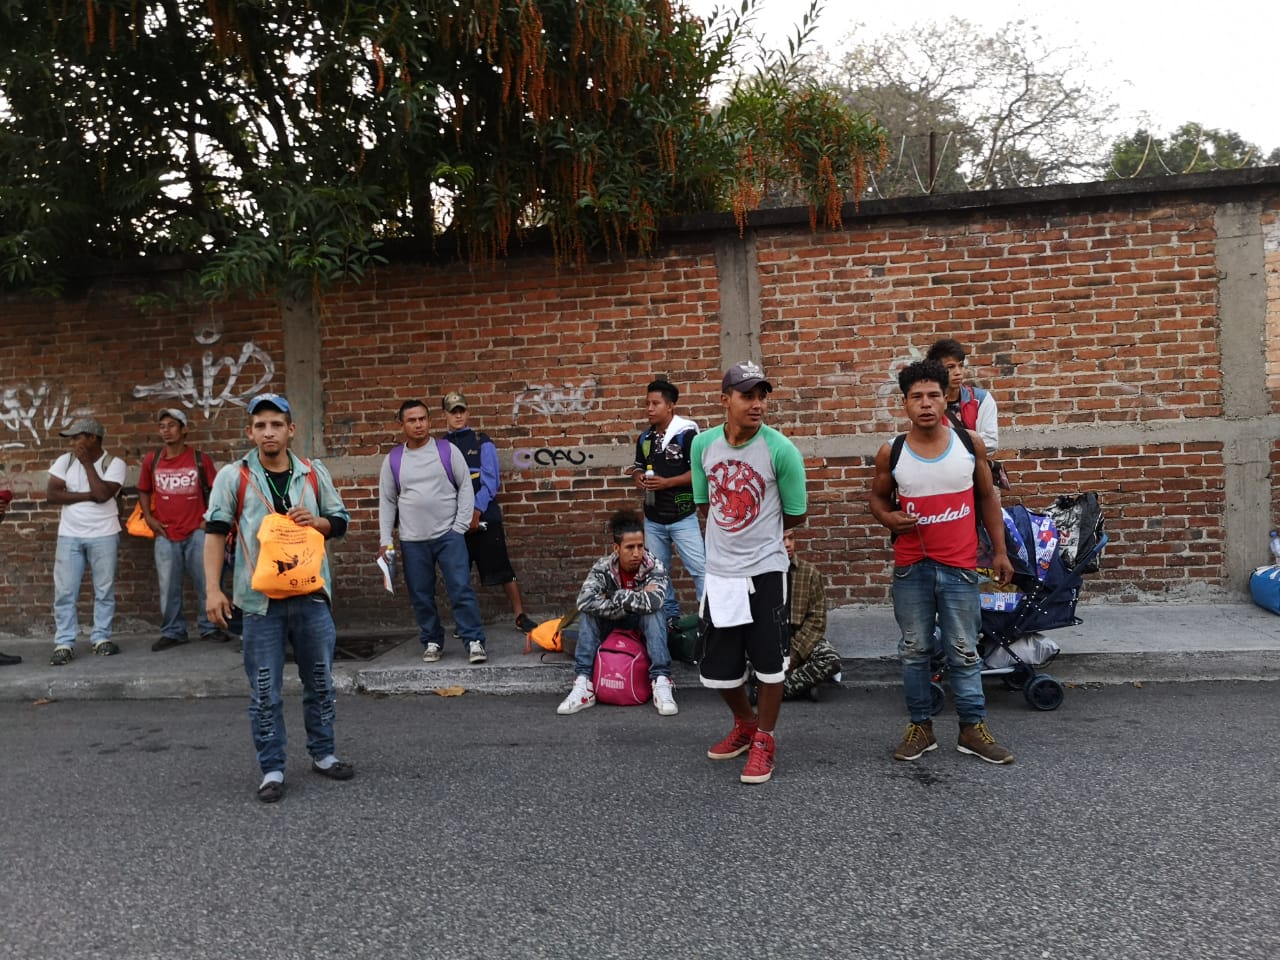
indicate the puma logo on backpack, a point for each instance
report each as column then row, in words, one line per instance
column 621, row 672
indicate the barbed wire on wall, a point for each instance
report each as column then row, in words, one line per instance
column 909, row 174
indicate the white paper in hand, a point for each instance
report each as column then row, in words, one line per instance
column 388, row 572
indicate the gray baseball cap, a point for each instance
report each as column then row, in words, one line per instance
column 84, row 425
column 743, row 377
column 175, row 413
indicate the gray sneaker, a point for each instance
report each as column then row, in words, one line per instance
column 476, row 652
column 432, row 653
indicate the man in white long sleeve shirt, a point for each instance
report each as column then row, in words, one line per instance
column 425, row 490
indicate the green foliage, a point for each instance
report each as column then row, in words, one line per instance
column 1191, row 148
column 282, row 144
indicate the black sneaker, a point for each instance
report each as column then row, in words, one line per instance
column 215, row 636
column 61, row 656
column 105, row 649
column 526, row 623
column 165, row 643
column 339, row 770
column 9, row 659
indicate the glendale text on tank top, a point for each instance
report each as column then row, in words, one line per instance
column 940, row 492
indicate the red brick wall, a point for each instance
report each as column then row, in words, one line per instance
column 1080, row 320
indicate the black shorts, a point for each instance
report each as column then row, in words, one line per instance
column 488, row 549
column 723, row 652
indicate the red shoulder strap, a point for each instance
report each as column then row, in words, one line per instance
column 244, row 485
column 312, row 479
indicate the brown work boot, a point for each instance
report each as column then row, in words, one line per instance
column 917, row 740
column 976, row 739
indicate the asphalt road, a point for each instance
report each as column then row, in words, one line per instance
column 1136, row 823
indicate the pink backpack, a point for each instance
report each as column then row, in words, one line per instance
column 621, row 672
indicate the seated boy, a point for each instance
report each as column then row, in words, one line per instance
column 626, row 588
column 813, row 659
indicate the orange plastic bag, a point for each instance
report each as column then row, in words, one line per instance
column 289, row 558
column 137, row 526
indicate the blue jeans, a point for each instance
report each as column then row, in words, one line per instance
column 174, row 559
column 687, row 537
column 929, row 596
column 419, row 558
column 70, row 558
column 592, row 632
column 305, row 624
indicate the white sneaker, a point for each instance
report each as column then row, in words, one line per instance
column 580, row 697
column 477, row 654
column 662, row 697
column 432, row 653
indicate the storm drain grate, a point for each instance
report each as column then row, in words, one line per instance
column 364, row 648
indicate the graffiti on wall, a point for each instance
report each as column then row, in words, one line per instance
column 31, row 413
column 551, row 399
column 888, row 394
column 526, row 458
column 20, row 481
column 222, row 380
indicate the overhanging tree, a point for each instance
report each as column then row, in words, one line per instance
column 1008, row 108
column 285, row 141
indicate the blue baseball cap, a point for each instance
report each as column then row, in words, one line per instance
column 273, row 400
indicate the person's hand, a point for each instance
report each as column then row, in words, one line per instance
column 475, row 521
column 302, row 517
column 1002, row 569
column 158, row 528
column 652, row 588
column 217, row 607
column 382, row 551
column 901, row 522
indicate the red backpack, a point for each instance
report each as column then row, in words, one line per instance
column 621, row 672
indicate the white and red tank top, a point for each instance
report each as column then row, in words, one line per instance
column 940, row 492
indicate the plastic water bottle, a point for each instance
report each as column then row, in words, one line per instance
column 649, row 494
column 1275, row 546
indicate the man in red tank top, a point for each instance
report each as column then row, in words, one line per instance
column 928, row 500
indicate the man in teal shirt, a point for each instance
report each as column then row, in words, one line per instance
column 272, row 480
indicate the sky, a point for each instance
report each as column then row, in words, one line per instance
column 1163, row 63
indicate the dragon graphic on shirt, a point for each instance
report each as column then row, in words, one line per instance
column 736, row 494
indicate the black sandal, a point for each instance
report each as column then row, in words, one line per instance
column 271, row 791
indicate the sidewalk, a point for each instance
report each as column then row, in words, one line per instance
column 1116, row 643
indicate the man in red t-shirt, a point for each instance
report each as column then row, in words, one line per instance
column 173, row 493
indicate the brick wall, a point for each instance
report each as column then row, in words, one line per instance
column 1094, row 318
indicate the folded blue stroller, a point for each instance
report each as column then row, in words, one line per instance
column 1050, row 554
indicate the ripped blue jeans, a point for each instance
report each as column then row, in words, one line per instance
column 305, row 624
column 928, row 596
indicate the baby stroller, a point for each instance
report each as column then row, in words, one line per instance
column 1050, row 553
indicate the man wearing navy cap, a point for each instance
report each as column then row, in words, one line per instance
column 85, row 483
column 268, row 480
column 173, row 491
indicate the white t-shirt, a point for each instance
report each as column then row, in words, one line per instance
column 88, row 519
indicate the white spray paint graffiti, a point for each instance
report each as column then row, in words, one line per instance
column 36, row 411
column 180, row 384
column 549, row 399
